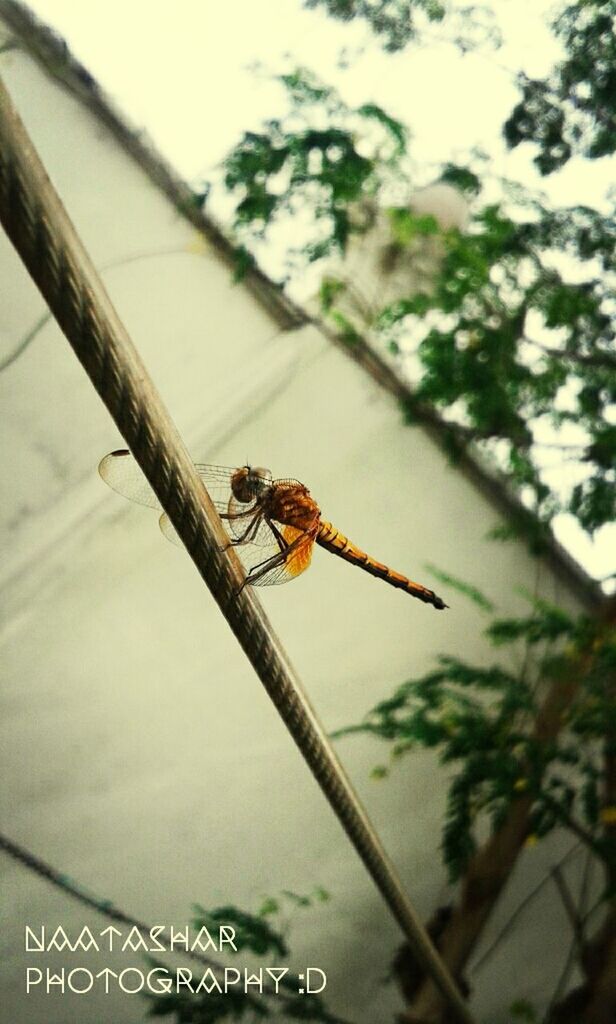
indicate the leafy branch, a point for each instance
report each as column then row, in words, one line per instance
column 516, row 355
column 482, row 722
column 254, row 934
column 572, row 111
column 297, row 167
column 398, row 23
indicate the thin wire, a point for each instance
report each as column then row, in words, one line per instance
column 89, row 899
column 23, row 343
column 115, row 264
column 509, row 923
column 572, row 911
column 38, row 226
column 576, row 946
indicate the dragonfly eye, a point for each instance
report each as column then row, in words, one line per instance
column 259, row 480
column 250, row 483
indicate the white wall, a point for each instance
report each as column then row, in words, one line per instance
column 140, row 754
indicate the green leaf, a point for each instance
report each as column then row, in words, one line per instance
column 395, row 128
column 268, row 907
column 330, row 289
column 322, row 895
column 467, row 589
column 522, row 1010
column 243, row 263
column 252, row 932
column 465, row 180
column 299, row 901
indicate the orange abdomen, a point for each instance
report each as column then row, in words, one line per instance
column 332, row 540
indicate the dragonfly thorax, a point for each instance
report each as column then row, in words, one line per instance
column 290, row 503
column 250, row 483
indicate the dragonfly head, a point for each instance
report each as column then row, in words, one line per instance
column 250, row 483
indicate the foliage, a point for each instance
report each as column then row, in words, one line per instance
column 252, row 931
column 481, row 720
column 520, row 357
column 396, row 23
column 255, row 934
column 297, row 166
column 392, row 20
column 523, row 1012
column 518, row 351
column 467, row 589
column 573, row 110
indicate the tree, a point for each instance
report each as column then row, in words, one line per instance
column 524, row 355
column 515, row 353
column 532, row 750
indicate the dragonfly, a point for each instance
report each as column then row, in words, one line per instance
column 272, row 524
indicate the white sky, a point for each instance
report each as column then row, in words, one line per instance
column 181, row 71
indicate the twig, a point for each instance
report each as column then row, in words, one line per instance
column 577, row 941
column 87, row 898
column 519, row 909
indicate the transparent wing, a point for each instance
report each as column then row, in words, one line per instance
column 244, row 523
column 265, row 562
column 169, row 530
column 258, row 536
column 284, row 566
column 120, row 472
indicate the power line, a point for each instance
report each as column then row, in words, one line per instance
column 89, row 899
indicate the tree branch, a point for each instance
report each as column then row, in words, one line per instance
column 574, row 826
column 571, row 911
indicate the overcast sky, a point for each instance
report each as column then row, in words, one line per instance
column 182, row 71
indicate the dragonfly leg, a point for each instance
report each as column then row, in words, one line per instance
column 282, row 543
column 251, row 530
column 274, row 560
column 262, row 568
column 248, row 533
